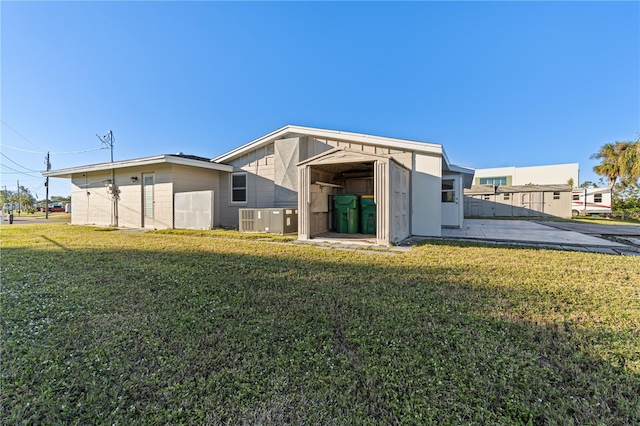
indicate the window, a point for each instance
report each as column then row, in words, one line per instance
column 597, row 198
column 495, row 181
column 147, row 194
column 506, row 196
column 556, row 195
column 576, row 197
column 448, row 191
column 239, row 188
column 487, row 197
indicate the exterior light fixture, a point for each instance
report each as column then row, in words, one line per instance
column 134, row 179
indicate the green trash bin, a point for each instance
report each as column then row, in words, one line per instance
column 368, row 214
column 347, row 213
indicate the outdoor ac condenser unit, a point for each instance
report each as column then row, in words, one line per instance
column 274, row 221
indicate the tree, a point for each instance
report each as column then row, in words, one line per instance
column 23, row 198
column 588, row 184
column 630, row 163
column 609, row 168
column 620, row 162
column 570, row 182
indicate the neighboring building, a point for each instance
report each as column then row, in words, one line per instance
column 522, row 191
column 415, row 187
column 534, row 175
column 518, row 200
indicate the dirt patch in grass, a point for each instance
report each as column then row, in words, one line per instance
column 103, row 327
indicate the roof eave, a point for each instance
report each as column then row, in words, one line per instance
column 159, row 159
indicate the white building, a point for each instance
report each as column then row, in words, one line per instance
column 535, row 175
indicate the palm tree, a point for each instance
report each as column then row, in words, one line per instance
column 610, row 167
column 620, row 161
column 630, row 166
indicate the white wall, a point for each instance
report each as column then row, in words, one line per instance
column 426, row 193
column 537, row 175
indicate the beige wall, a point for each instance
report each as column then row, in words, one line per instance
column 187, row 179
column 426, row 193
column 518, row 204
column 262, row 176
column 92, row 205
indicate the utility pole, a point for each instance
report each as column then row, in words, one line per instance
column 46, row 184
column 107, row 140
column 19, row 199
column 112, row 189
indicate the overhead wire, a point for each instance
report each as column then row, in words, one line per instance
column 20, row 165
column 50, row 152
column 17, row 171
column 20, row 134
column 41, row 150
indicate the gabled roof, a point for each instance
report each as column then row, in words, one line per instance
column 185, row 160
column 424, row 147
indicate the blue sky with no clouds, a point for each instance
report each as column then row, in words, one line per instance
column 496, row 83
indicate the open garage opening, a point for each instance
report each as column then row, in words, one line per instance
column 342, row 202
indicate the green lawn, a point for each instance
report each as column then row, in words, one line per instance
column 106, row 327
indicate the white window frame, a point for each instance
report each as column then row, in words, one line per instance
column 450, row 192
column 246, row 187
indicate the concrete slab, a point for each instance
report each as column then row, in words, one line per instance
column 595, row 229
column 524, row 231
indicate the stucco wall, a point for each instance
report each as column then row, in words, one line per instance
column 91, row 205
column 187, row 179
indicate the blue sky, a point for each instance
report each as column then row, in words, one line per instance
column 496, row 83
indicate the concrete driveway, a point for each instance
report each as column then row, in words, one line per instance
column 525, row 232
column 596, row 229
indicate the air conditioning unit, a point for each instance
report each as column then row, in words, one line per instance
column 274, row 221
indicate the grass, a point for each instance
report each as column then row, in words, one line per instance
column 108, row 327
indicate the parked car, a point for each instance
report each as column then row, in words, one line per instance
column 54, row 207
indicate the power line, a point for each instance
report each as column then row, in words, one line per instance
column 17, row 171
column 20, row 149
column 20, row 134
column 77, row 152
column 20, row 165
column 52, row 153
